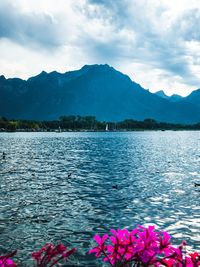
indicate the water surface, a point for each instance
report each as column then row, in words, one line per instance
column 154, row 172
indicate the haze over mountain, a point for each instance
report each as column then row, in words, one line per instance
column 97, row 90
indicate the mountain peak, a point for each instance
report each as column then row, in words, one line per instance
column 104, row 69
column 172, row 98
column 42, row 73
column 98, row 90
column 162, row 94
column 94, row 66
column 195, row 92
column 2, row 77
column 194, row 97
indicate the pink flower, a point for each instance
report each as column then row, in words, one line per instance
column 50, row 255
column 143, row 247
column 101, row 245
column 5, row 260
column 195, row 258
column 164, row 243
column 61, row 248
column 148, row 235
column 37, row 255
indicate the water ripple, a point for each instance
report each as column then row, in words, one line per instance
column 68, row 186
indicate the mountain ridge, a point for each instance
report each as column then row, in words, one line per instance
column 97, row 90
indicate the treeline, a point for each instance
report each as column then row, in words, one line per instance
column 89, row 123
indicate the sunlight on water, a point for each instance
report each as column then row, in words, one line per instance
column 61, row 187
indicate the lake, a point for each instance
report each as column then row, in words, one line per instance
column 154, row 172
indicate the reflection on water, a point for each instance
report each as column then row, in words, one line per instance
column 155, row 173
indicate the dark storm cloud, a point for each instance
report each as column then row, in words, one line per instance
column 27, row 28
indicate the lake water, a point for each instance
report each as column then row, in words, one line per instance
column 154, row 172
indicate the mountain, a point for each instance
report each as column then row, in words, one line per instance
column 97, row 90
column 172, row 98
column 175, row 97
column 194, row 98
column 162, row 94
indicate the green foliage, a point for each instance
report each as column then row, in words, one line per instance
column 78, row 122
column 89, row 123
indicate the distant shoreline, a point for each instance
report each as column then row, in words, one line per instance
column 77, row 123
column 99, row 131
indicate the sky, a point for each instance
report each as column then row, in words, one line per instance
column 155, row 42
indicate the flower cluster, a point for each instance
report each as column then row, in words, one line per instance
column 50, row 255
column 142, row 247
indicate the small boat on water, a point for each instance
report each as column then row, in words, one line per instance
column 58, row 130
column 107, row 128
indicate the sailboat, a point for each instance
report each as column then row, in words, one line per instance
column 58, row 130
column 107, row 128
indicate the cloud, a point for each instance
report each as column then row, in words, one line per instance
column 161, row 36
column 154, row 41
column 188, row 25
column 28, row 28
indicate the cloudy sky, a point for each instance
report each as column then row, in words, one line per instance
column 155, row 42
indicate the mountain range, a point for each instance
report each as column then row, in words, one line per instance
column 97, row 90
column 172, row 98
